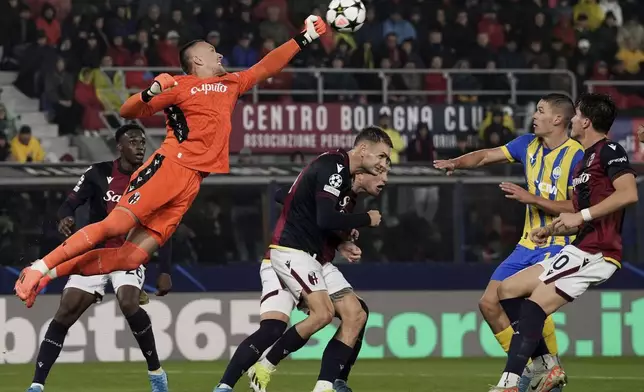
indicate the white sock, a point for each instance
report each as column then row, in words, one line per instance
column 322, row 386
column 37, row 385
column 267, row 364
column 544, row 363
column 40, row 266
column 225, row 386
column 509, row 380
column 156, row 372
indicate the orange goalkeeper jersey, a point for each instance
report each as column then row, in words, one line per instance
column 199, row 111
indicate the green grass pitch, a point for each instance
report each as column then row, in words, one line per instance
column 390, row 375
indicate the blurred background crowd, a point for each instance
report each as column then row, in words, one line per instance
column 57, row 55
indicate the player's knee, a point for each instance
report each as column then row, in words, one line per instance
column 364, row 306
column 67, row 314
column 272, row 329
column 489, row 305
column 507, row 290
column 355, row 320
column 129, row 305
column 322, row 317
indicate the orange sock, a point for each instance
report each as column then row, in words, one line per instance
column 103, row 261
column 117, row 223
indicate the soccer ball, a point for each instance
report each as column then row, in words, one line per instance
column 346, row 16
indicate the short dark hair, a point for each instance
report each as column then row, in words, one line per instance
column 184, row 59
column 563, row 103
column 373, row 134
column 600, row 109
column 126, row 128
column 25, row 129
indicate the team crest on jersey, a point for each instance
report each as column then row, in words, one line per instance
column 313, row 278
column 134, row 198
column 556, row 173
column 591, row 159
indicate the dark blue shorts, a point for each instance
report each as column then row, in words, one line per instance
column 522, row 258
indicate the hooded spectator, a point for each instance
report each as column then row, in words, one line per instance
column 403, row 29
column 48, row 23
column 120, row 55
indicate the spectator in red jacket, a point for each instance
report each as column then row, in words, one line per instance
column 119, row 53
column 169, row 50
column 48, row 23
column 138, row 79
column 490, row 25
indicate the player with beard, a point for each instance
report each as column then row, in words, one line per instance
column 603, row 186
column 310, row 215
column 101, row 186
column 276, row 303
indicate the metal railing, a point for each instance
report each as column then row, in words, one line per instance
column 385, row 93
column 591, row 84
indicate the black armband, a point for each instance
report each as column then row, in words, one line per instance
column 301, row 40
column 146, row 96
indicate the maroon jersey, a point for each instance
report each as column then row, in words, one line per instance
column 101, row 185
column 593, row 180
column 346, row 205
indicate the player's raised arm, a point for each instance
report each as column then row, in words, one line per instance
column 511, row 152
column 149, row 101
column 279, row 58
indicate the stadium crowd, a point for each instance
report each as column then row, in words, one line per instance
column 58, row 48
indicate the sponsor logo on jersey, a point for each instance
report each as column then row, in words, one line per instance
column 616, row 160
column 547, row 188
column 581, row 180
column 345, row 201
column 109, row 180
column 209, row 88
column 112, row 196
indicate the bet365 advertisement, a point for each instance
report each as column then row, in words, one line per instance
column 401, row 325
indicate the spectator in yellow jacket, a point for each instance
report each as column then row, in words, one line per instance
column 396, row 139
column 26, row 148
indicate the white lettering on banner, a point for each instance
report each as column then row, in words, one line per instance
column 306, row 118
column 161, row 318
column 241, row 311
column 291, row 109
column 75, row 343
column 105, row 323
column 188, row 329
column 261, row 118
column 24, row 337
column 282, row 118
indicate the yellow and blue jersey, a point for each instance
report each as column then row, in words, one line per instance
column 549, row 174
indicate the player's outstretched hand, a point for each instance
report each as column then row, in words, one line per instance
column 66, row 225
column 314, row 27
column 164, row 285
column 517, row 193
column 540, row 235
column 163, row 82
column 375, row 217
column 640, row 132
column 447, row 165
column 350, row 251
